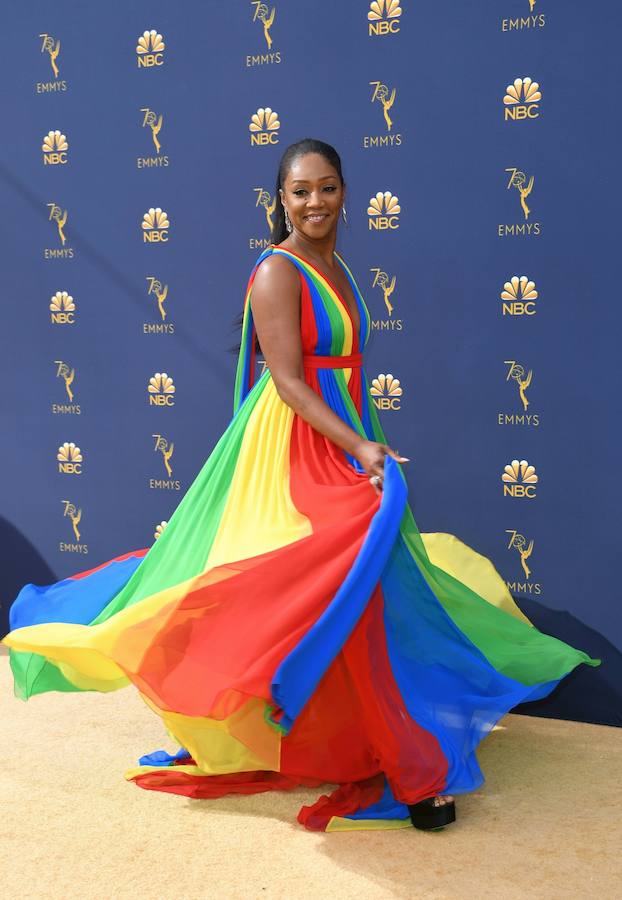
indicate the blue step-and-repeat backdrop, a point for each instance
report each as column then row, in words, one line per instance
column 479, row 147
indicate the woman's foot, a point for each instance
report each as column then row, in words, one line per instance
column 433, row 813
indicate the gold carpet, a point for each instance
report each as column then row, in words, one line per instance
column 546, row 824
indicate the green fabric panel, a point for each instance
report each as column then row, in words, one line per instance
column 182, row 549
column 513, row 647
column 33, row 674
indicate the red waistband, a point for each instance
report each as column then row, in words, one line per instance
column 310, row 361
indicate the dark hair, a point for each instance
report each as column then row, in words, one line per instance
column 279, row 231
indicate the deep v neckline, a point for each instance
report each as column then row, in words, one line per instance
column 333, row 287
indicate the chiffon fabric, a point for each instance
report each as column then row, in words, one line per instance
column 290, row 626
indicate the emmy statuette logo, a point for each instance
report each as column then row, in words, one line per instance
column 51, row 46
column 166, row 450
column 518, row 542
column 383, row 17
column 150, row 50
column 74, row 514
column 523, row 187
column 263, row 15
column 58, row 217
column 267, row 203
column 158, row 292
column 153, row 121
column 517, row 373
column 521, row 100
column 386, row 392
column 62, row 308
column 519, row 480
column 55, row 148
column 384, row 97
column 385, row 284
column 518, row 295
column 70, row 459
column 264, row 127
column 155, row 226
column 383, row 212
column 161, row 390
column 67, row 374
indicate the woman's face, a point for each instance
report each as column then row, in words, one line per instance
column 312, row 195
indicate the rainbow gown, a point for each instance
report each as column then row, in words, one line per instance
column 290, row 626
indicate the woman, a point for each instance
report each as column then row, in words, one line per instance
column 291, row 626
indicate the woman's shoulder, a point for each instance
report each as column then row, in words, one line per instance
column 275, row 271
column 275, row 264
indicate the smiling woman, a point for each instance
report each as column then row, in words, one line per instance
column 292, row 626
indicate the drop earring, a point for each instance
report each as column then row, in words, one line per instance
column 343, row 214
column 288, row 223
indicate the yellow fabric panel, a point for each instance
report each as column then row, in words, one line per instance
column 143, row 770
column 86, row 651
column 259, row 514
column 339, row 824
column 477, row 572
column 216, row 745
column 85, row 683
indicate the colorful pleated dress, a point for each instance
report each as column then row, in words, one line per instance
column 290, row 626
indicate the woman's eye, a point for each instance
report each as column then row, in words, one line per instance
column 329, row 187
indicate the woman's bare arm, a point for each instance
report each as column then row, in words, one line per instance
column 275, row 302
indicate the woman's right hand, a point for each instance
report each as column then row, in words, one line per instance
column 371, row 456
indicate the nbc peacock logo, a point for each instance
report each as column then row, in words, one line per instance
column 150, row 50
column 386, row 392
column 519, row 295
column 264, row 127
column 160, row 529
column 62, row 308
column 521, row 100
column 383, row 212
column 70, row 459
column 155, row 226
column 383, row 17
column 55, row 147
column 519, row 480
column 161, row 390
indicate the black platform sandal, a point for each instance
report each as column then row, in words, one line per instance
column 430, row 817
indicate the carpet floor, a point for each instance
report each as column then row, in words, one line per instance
column 546, row 824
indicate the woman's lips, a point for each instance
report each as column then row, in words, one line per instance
column 314, row 219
